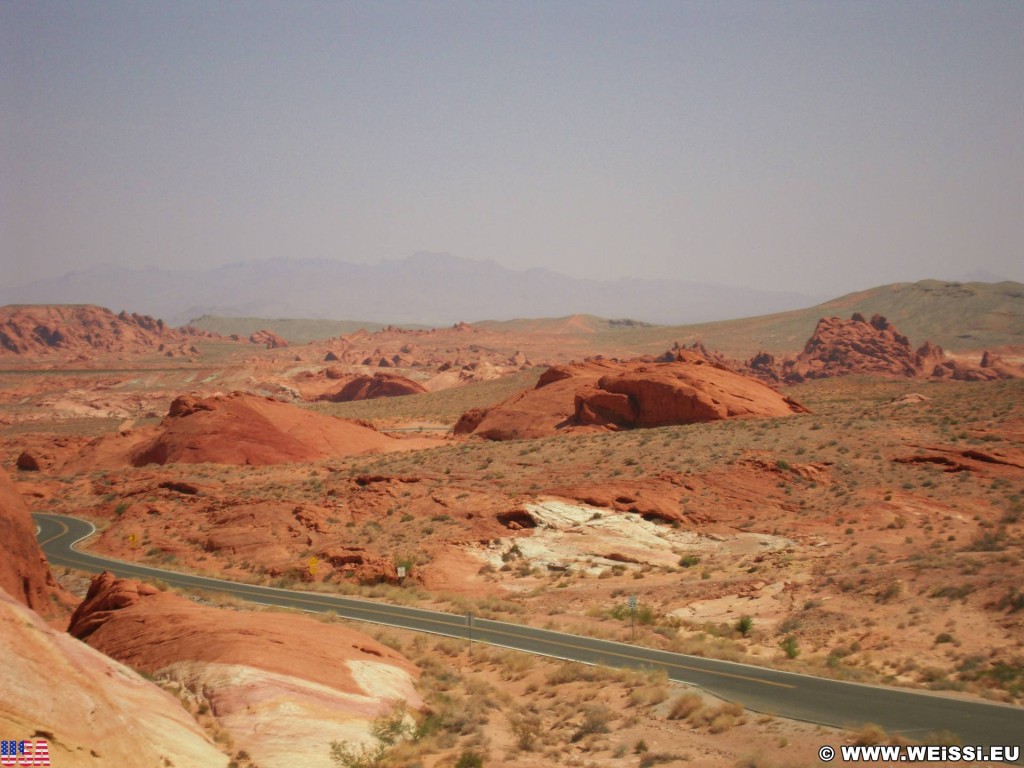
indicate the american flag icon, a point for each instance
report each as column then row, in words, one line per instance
column 25, row 752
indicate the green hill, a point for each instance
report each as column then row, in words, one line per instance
column 957, row 316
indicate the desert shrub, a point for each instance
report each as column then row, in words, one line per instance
column 988, row 541
column 870, row 735
column 723, row 722
column 744, row 624
column 891, row 591
column 515, row 665
column 656, row 758
column 647, row 696
column 526, row 727
column 958, row 592
column 644, row 613
column 790, row 646
column 392, row 725
column 595, row 720
column 1014, row 513
column 348, row 756
column 470, row 759
column 684, row 706
column 1013, row 600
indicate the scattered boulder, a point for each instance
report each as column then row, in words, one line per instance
column 336, row 372
column 28, row 462
column 269, row 339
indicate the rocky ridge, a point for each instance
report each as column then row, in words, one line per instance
column 82, row 331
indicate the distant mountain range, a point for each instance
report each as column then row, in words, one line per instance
column 427, row 288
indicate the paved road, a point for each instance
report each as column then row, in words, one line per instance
column 813, row 699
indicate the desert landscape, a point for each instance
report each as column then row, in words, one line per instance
column 849, row 509
column 573, row 384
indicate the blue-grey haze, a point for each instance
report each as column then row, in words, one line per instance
column 817, row 147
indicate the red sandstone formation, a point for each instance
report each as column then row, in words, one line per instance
column 83, row 330
column 857, row 347
column 240, row 429
column 653, row 498
column 861, row 347
column 24, row 573
column 246, row 429
column 92, row 710
column 623, row 395
column 269, row 339
column 371, row 387
column 128, row 621
column 844, row 347
column 280, row 684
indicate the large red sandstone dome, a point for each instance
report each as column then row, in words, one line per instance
column 625, row 395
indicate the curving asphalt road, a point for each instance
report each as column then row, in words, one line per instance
column 786, row 694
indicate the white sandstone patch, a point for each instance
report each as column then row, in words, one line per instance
column 274, row 717
column 580, row 537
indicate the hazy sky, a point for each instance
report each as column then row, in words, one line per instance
column 815, row 146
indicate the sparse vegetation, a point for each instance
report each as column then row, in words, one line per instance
column 929, row 571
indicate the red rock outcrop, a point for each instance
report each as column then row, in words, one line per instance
column 269, row 339
column 602, row 393
column 372, row 387
column 335, row 372
column 845, row 347
column 92, row 711
column 24, row 572
column 81, row 329
column 860, row 347
column 246, row 429
column 654, row 497
column 281, row 684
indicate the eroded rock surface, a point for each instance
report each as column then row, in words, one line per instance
column 93, row 711
column 280, row 683
column 24, row 573
column 371, row 387
column 614, row 395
